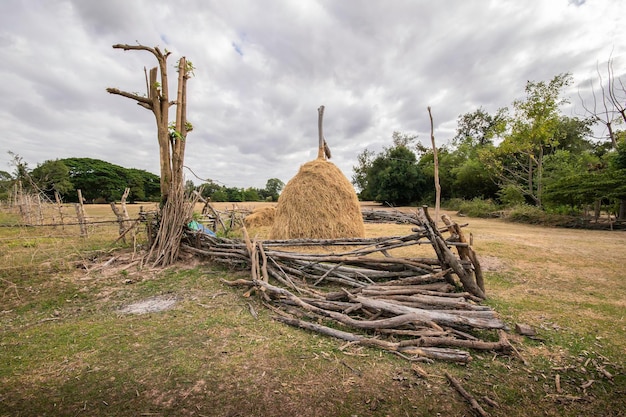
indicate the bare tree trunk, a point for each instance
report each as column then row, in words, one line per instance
column 174, row 211
column 158, row 102
column 436, row 162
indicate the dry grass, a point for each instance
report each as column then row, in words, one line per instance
column 260, row 217
column 319, row 203
column 66, row 348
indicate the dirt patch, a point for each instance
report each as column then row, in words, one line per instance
column 150, row 305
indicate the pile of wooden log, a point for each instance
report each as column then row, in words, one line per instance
column 357, row 290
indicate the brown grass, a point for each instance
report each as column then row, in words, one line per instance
column 319, row 202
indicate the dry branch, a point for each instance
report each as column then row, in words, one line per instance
column 467, row 396
column 414, row 307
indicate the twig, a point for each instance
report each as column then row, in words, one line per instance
column 253, row 311
column 468, row 397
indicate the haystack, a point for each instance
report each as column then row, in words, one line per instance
column 260, row 217
column 319, row 202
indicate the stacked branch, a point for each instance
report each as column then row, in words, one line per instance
column 356, row 290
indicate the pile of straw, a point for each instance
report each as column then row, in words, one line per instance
column 318, row 203
column 261, row 217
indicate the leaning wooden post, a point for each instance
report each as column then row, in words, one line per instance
column 122, row 217
column 57, row 198
column 465, row 252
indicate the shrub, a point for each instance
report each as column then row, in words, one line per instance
column 511, row 196
column 454, row 204
column 524, row 213
column 479, row 208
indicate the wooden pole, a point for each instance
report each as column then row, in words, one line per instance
column 320, row 118
column 436, row 162
column 57, row 198
column 80, row 214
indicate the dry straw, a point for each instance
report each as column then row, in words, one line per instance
column 318, row 203
column 260, row 217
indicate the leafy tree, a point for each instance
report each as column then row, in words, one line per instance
column 6, row 182
column 98, row 180
column 52, row 176
column 219, row 195
column 403, row 139
column 273, row 187
column 519, row 159
column 472, row 180
column 395, row 177
column 102, row 181
column 234, row 194
column 250, row 194
column 21, row 172
column 209, row 188
column 189, row 187
column 479, row 128
column 359, row 176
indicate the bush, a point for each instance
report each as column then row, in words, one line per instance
column 454, row 204
column 479, row 208
column 511, row 196
column 524, row 213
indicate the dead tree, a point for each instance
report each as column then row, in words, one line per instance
column 609, row 110
column 171, row 138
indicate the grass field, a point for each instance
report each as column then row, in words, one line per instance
column 68, row 348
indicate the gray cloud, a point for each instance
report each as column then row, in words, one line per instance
column 263, row 69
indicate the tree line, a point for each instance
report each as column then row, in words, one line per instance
column 529, row 154
column 103, row 182
column 99, row 181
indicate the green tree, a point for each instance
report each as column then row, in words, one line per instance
column 519, row 159
column 250, row 194
column 21, row 172
column 209, row 188
column 359, row 176
column 273, row 187
column 190, row 187
column 52, row 176
column 98, row 180
column 395, row 177
column 219, row 195
column 479, row 128
column 6, row 182
column 102, row 181
column 234, row 194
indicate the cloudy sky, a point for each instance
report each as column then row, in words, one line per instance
column 263, row 67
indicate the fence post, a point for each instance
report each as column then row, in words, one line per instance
column 59, row 208
column 80, row 213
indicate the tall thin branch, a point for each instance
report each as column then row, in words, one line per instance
column 436, row 162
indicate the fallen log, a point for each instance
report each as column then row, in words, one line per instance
column 453, row 355
column 446, row 318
